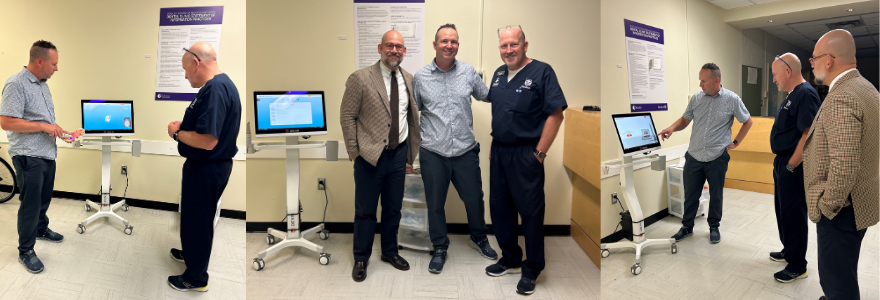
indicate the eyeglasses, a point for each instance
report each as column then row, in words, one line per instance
column 393, row 46
column 780, row 59
column 814, row 59
column 190, row 52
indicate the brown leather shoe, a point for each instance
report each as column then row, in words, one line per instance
column 398, row 262
column 359, row 272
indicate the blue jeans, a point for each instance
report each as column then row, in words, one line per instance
column 464, row 173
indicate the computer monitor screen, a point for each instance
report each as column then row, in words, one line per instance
column 108, row 117
column 636, row 132
column 290, row 113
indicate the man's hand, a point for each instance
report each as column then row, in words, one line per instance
column 541, row 160
column 173, row 127
column 665, row 134
column 731, row 146
column 53, row 130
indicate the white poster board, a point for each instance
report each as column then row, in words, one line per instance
column 372, row 18
column 645, row 67
column 179, row 28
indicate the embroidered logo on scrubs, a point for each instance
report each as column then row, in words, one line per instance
column 500, row 73
column 787, row 104
column 193, row 103
column 497, row 79
column 528, row 82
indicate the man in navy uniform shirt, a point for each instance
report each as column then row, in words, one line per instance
column 206, row 137
column 793, row 120
column 527, row 105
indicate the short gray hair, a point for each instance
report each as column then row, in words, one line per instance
column 714, row 70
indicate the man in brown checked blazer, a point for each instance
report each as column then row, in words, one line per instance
column 841, row 157
column 381, row 131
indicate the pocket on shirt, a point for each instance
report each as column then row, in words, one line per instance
column 524, row 100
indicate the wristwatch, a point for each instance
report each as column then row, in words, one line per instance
column 175, row 135
column 540, row 154
column 735, row 142
column 790, row 168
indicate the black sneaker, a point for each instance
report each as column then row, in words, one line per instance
column 777, row 256
column 51, row 236
column 177, row 283
column 714, row 235
column 177, row 254
column 497, row 269
column 683, row 232
column 31, row 262
column 436, row 264
column 784, row 276
column 526, row 286
column 484, row 248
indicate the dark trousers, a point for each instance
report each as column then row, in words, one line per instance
column 791, row 213
column 839, row 243
column 464, row 173
column 386, row 179
column 516, row 186
column 36, row 180
column 695, row 174
column 203, row 184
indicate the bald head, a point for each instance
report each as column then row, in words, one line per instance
column 786, row 71
column 789, row 60
column 204, row 51
column 392, row 35
column 512, row 32
column 840, row 44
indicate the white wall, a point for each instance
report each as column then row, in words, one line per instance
column 305, row 53
column 101, row 46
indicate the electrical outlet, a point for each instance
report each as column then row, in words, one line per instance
column 124, row 170
column 322, row 183
column 614, row 198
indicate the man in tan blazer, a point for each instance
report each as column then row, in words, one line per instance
column 841, row 157
column 381, row 131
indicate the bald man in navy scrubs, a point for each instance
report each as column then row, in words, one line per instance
column 527, row 105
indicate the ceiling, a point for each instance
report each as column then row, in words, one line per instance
column 731, row 4
column 864, row 29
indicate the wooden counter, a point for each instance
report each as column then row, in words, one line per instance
column 581, row 154
column 751, row 163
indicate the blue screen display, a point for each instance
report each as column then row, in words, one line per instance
column 290, row 111
column 107, row 116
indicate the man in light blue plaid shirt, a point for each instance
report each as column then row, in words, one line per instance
column 449, row 150
column 28, row 116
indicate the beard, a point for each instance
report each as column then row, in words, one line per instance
column 393, row 64
column 820, row 77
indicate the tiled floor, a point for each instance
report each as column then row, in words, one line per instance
column 296, row 274
column 737, row 268
column 105, row 263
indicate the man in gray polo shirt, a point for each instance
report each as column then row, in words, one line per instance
column 712, row 111
column 28, row 116
column 449, row 151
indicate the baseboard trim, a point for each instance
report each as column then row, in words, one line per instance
column 618, row 235
column 348, row 227
column 150, row 204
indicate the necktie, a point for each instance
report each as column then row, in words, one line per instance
column 394, row 133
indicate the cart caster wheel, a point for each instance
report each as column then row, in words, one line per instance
column 88, row 208
column 636, row 269
column 324, row 234
column 324, row 259
column 259, row 264
column 128, row 230
column 674, row 249
column 399, row 247
column 431, row 252
column 125, row 207
column 605, row 253
column 270, row 239
column 80, row 229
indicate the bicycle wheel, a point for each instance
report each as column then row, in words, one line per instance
column 8, row 182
